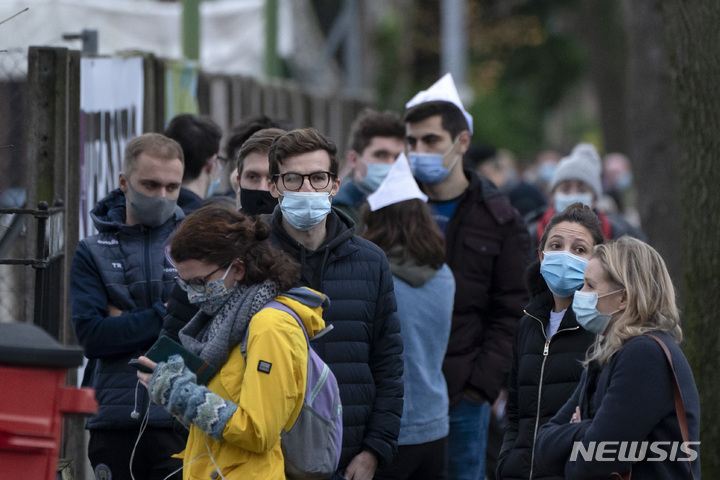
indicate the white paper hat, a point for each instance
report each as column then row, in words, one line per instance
column 443, row 90
column 398, row 186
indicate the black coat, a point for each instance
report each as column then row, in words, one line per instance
column 544, row 375
column 629, row 399
column 364, row 349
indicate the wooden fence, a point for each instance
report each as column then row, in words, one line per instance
column 52, row 143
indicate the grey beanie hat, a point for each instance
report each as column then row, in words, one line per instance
column 582, row 164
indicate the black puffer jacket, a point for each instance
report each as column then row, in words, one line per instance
column 544, row 375
column 364, row 349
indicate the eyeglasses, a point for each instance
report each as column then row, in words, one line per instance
column 199, row 284
column 294, row 181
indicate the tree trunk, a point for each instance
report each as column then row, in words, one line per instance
column 601, row 33
column 651, row 126
column 694, row 52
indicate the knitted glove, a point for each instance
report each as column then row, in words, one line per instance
column 174, row 387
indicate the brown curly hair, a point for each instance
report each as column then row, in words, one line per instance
column 219, row 235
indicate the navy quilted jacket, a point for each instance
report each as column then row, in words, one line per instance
column 124, row 266
column 364, row 349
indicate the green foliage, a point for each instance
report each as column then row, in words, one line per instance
column 534, row 81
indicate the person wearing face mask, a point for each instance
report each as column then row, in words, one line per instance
column 226, row 265
column 253, row 196
column 364, row 349
column 549, row 343
column 487, row 249
column 577, row 178
column 637, row 390
column 199, row 138
column 376, row 140
column 120, row 281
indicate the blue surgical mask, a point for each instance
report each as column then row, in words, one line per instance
column 563, row 272
column 212, row 296
column 376, row 173
column 212, row 188
column 562, row 200
column 304, row 210
column 585, row 307
column 428, row 167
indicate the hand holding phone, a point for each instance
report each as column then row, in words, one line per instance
column 136, row 363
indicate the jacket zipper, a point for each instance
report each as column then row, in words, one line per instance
column 546, row 352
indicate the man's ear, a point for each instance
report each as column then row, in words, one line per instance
column 211, row 164
column 351, row 157
column 336, row 187
column 272, row 188
column 122, row 182
column 463, row 142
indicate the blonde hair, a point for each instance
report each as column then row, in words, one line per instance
column 637, row 268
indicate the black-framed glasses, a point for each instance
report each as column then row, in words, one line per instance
column 199, row 284
column 294, row 181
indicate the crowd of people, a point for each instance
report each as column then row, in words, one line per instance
column 479, row 322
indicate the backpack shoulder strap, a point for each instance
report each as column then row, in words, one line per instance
column 277, row 306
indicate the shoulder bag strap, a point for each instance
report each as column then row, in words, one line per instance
column 679, row 405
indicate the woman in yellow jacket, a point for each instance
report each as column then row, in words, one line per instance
column 227, row 266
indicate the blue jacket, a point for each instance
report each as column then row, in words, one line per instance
column 350, row 198
column 630, row 399
column 425, row 308
column 364, row 349
column 125, row 266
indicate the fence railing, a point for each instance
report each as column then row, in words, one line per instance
column 46, row 262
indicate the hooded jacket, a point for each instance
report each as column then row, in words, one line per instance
column 544, row 375
column 268, row 403
column 488, row 248
column 425, row 303
column 364, row 349
column 123, row 265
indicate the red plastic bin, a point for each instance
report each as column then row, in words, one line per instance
column 33, row 398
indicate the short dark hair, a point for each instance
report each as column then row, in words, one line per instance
column 259, row 142
column 453, row 119
column 410, row 225
column 245, row 129
column 371, row 123
column 199, row 138
column 154, row 145
column 478, row 154
column 576, row 213
column 297, row 142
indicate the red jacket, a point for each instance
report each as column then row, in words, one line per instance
column 488, row 248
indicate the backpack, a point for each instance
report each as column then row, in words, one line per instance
column 312, row 446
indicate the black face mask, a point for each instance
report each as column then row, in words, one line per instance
column 257, row 202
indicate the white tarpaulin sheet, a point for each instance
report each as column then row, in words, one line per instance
column 232, row 38
column 111, row 109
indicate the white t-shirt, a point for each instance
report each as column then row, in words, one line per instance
column 554, row 323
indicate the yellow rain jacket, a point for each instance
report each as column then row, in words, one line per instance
column 269, row 394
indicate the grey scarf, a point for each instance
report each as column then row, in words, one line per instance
column 212, row 338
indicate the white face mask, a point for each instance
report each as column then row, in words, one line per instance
column 562, row 200
column 304, row 210
column 585, row 307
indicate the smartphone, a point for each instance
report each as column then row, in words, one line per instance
column 136, row 363
column 165, row 347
